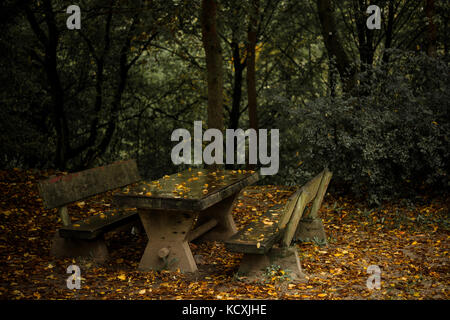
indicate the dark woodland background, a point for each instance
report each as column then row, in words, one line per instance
column 372, row 105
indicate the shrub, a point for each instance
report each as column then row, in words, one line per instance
column 388, row 138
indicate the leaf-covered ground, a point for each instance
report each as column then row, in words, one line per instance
column 409, row 241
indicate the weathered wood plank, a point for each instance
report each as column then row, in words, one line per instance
column 62, row 190
column 320, row 193
column 259, row 236
column 96, row 225
column 187, row 190
column 197, row 232
column 295, row 218
column 312, row 186
column 290, row 205
column 65, row 218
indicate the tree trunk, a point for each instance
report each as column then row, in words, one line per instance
column 334, row 46
column 213, row 54
column 389, row 32
column 365, row 36
column 251, row 62
column 50, row 64
column 432, row 30
column 237, row 87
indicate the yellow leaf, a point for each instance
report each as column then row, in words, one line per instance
column 322, row 295
column 122, row 277
column 81, row 204
column 142, row 291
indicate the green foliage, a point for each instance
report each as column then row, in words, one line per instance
column 276, row 273
column 388, row 138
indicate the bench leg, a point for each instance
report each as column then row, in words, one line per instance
column 255, row 265
column 72, row 248
column 309, row 229
column 221, row 211
column 167, row 247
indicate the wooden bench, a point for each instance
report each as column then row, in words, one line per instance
column 85, row 238
column 267, row 241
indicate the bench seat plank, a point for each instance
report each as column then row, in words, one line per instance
column 259, row 236
column 96, row 225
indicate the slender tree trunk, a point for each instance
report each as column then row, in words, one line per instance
column 389, row 31
column 213, row 54
column 251, row 66
column 365, row 36
column 334, row 46
column 237, row 87
column 432, row 30
column 93, row 153
column 50, row 64
column 331, row 79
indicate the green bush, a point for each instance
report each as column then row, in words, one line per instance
column 390, row 137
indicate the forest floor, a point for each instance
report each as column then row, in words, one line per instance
column 408, row 241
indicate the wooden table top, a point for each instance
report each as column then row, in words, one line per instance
column 190, row 190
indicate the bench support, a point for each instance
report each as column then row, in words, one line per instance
column 221, row 212
column 311, row 226
column 194, row 234
column 64, row 215
column 167, row 247
column 309, row 229
column 70, row 248
column 255, row 265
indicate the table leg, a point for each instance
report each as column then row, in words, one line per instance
column 167, row 246
column 221, row 211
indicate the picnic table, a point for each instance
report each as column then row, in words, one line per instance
column 179, row 208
